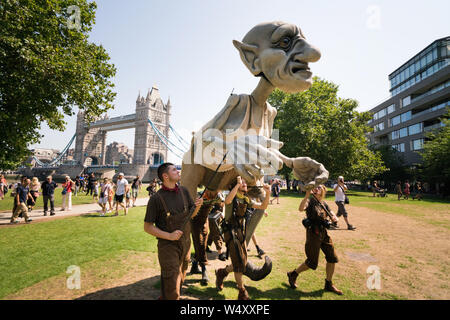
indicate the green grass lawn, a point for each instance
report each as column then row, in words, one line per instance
column 7, row 203
column 35, row 252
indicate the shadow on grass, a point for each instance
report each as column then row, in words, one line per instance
column 89, row 215
column 141, row 290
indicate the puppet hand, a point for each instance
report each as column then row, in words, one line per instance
column 309, row 172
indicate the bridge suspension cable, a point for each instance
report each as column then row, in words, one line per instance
column 166, row 140
column 58, row 158
column 179, row 138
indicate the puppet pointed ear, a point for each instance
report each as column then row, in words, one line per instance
column 249, row 55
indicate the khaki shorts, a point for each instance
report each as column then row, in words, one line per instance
column 314, row 243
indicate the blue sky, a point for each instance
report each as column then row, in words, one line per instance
column 185, row 48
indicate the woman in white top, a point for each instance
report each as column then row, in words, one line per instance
column 105, row 189
column 35, row 186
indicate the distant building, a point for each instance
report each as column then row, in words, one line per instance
column 420, row 90
column 117, row 153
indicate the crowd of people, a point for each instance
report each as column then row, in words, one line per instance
column 109, row 195
column 403, row 190
column 229, row 219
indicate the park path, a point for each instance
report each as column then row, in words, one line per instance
column 37, row 215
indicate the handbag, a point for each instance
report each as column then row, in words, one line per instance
column 346, row 200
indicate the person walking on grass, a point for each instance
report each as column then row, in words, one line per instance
column 22, row 195
column 167, row 211
column 77, row 185
column 418, row 195
column 237, row 206
column 121, row 190
column 340, row 197
column 398, row 189
column 48, row 194
column 68, row 185
column 276, row 189
column 135, row 188
column 111, row 197
column 3, row 187
column 317, row 238
column 95, row 191
column 34, row 191
column 406, row 191
column 105, row 188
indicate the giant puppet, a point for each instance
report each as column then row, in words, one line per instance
column 241, row 133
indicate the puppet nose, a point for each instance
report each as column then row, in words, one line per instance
column 309, row 53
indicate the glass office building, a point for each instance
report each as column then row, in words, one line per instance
column 420, row 93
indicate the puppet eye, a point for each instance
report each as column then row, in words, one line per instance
column 285, row 43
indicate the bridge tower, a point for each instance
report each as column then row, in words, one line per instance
column 90, row 143
column 148, row 149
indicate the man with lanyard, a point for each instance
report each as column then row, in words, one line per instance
column 22, row 194
column 339, row 192
column 199, row 232
column 167, row 211
column 237, row 206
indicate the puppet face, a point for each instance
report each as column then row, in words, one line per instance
column 279, row 51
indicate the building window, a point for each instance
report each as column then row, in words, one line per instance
column 406, row 101
column 417, row 144
column 403, row 132
column 399, row 147
column 405, row 116
column 379, row 127
column 415, row 128
column 395, row 134
column 391, row 108
column 395, row 121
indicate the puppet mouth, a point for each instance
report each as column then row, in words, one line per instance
column 299, row 67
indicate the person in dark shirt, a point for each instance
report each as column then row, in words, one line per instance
column 317, row 238
column 167, row 211
column 48, row 193
column 90, row 185
column 22, row 195
column 135, row 187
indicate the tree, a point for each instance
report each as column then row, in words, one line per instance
column 436, row 151
column 47, row 66
column 318, row 124
column 395, row 164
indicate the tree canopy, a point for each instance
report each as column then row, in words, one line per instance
column 47, row 67
column 436, row 151
column 318, row 124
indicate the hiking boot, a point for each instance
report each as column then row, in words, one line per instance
column 221, row 274
column 243, row 294
column 205, row 279
column 222, row 256
column 45, row 213
column 292, row 277
column 194, row 268
column 331, row 288
column 52, row 213
column 350, row 227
